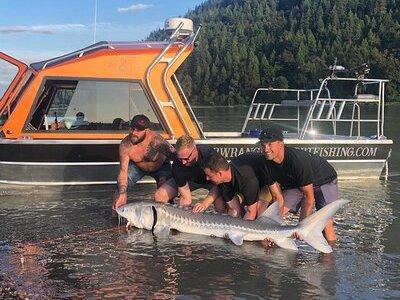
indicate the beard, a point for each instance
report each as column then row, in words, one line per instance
column 135, row 139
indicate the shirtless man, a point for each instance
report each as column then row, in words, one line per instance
column 142, row 152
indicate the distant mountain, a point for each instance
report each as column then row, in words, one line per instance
column 246, row 44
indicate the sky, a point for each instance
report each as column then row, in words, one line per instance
column 33, row 30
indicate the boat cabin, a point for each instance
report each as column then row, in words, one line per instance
column 106, row 83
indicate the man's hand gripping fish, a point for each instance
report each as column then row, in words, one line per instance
column 161, row 218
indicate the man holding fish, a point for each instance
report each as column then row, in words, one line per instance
column 306, row 179
column 294, row 178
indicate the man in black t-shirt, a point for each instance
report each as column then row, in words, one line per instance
column 242, row 176
column 187, row 175
column 304, row 178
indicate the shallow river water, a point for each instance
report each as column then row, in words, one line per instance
column 64, row 243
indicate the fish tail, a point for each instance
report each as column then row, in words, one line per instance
column 310, row 229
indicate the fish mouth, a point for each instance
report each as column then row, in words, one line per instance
column 121, row 211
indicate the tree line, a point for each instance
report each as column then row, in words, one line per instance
column 247, row 44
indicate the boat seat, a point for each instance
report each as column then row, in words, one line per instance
column 366, row 98
column 295, row 103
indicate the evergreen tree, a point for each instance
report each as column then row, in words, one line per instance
column 246, row 44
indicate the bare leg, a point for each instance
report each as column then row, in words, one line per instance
column 285, row 210
column 220, row 205
column 261, row 207
column 166, row 191
column 234, row 208
column 329, row 232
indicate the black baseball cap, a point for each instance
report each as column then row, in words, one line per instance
column 270, row 135
column 140, row 122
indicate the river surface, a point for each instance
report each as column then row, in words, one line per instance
column 64, row 243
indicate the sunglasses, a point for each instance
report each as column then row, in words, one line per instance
column 188, row 157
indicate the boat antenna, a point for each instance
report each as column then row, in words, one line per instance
column 333, row 69
column 95, row 21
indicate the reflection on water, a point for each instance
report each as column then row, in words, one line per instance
column 63, row 243
column 66, row 245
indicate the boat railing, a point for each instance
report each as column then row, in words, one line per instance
column 163, row 58
column 263, row 105
column 79, row 53
column 90, row 49
column 165, row 78
column 326, row 104
column 331, row 109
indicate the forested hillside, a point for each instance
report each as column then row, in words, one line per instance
column 246, row 44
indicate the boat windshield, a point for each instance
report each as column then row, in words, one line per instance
column 8, row 72
column 95, row 105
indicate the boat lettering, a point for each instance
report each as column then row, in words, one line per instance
column 341, row 151
column 328, row 151
column 229, row 152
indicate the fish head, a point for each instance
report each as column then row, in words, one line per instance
column 139, row 215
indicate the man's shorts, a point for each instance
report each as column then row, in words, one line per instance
column 324, row 194
column 263, row 195
column 135, row 173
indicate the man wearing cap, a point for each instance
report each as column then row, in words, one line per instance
column 305, row 178
column 142, row 152
column 244, row 183
column 187, row 176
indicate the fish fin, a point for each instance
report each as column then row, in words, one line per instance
column 237, row 239
column 317, row 241
column 286, row 243
column 272, row 213
column 310, row 229
column 161, row 231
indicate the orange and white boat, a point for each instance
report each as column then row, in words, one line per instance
column 62, row 119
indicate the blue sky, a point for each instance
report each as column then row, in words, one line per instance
column 32, row 30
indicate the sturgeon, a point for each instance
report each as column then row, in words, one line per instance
column 161, row 218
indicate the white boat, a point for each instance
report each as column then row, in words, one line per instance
column 111, row 82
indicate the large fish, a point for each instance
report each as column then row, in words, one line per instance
column 161, row 218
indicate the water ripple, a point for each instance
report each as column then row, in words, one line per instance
column 68, row 246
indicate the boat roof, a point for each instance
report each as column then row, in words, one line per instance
column 103, row 45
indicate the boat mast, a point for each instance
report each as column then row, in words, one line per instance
column 95, row 21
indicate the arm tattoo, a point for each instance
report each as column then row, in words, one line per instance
column 122, row 189
column 159, row 145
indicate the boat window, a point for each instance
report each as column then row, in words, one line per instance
column 72, row 105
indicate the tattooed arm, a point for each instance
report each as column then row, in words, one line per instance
column 159, row 145
column 121, row 194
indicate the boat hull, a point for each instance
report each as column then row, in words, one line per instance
column 84, row 162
